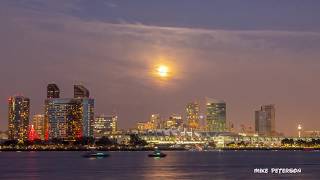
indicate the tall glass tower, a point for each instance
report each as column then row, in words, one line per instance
column 70, row 118
column 265, row 120
column 192, row 112
column 216, row 115
column 18, row 117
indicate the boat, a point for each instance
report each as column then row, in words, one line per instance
column 95, row 155
column 157, row 154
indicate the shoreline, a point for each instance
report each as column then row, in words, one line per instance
column 163, row 149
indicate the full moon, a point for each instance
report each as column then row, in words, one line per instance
column 163, row 71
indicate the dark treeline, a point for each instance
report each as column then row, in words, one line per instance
column 135, row 140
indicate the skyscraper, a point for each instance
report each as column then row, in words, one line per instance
column 265, row 120
column 87, row 110
column 155, row 121
column 80, row 91
column 174, row 122
column 105, row 125
column 18, row 117
column 70, row 118
column 38, row 125
column 193, row 116
column 216, row 115
column 53, row 91
column 58, row 112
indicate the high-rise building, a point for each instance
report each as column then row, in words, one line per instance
column 38, row 125
column 70, row 118
column 80, row 91
column 105, row 125
column 144, row 126
column 193, row 116
column 87, row 110
column 265, row 120
column 155, row 121
column 174, row 122
column 53, row 91
column 58, row 112
column 18, row 117
column 216, row 115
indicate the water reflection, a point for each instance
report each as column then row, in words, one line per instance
column 137, row 165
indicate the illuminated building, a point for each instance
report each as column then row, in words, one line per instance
column 80, row 91
column 174, row 122
column 216, row 115
column 53, row 91
column 265, row 120
column 105, row 125
column 18, row 117
column 155, row 121
column 38, row 125
column 87, row 120
column 144, row 126
column 70, row 118
column 193, row 118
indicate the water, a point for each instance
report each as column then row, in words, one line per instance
column 177, row 165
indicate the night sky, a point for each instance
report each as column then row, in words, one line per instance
column 247, row 53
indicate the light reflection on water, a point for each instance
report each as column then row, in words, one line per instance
column 137, row 165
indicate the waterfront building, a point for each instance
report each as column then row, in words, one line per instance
column 70, row 118
column 38, row 125
column 80, row 91
column 265, row 120
column 216, row 115
column 18, row 117
column 174, row 122
column 144, row 126
column 192, row 114
column 105, row 125
column 53, row 91
column 155, row 121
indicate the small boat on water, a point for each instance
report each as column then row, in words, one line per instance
column 158, row 154
column 95, row 155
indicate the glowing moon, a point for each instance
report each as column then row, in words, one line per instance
column 163, row 71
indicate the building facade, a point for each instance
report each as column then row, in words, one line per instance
column 216, row 115
column 193, row 115
column 155, row 121
column 70, row 118
column 18, row 117
column 174, row 122
column 38, row 125
column 265, row 120
column 105, row 125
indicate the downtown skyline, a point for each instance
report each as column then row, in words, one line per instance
column 225, row 56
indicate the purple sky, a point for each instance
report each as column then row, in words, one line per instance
column 247, row 53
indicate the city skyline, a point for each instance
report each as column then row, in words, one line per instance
column 248, row 57
column 79, row 112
